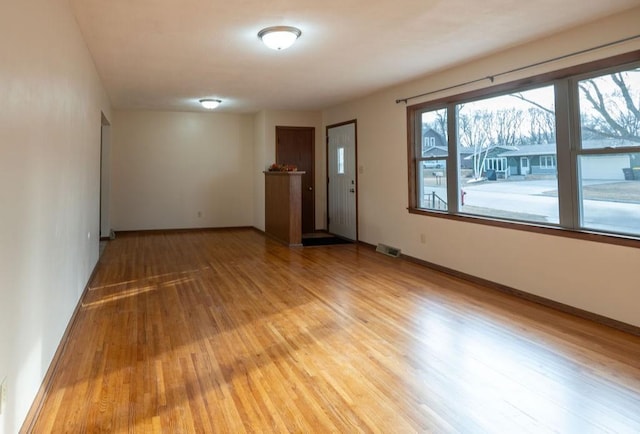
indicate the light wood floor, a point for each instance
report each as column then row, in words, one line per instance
column 232, row 332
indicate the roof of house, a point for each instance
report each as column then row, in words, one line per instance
column 436, row 150
column 471, row 153
column 550, row 148
column 531, row 150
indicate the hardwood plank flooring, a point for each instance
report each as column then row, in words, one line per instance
column 229, row 331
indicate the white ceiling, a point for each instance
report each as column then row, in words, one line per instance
column 166, row 54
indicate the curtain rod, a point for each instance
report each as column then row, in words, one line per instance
column 521, row 68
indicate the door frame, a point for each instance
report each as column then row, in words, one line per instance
column 356, row 169
column 313, row 166
column 104, row 180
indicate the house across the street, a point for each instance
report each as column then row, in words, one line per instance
column 540, row 159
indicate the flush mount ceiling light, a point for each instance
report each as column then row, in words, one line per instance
column 279, row 37
column 209, row 103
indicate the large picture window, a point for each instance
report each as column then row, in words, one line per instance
column 509, row 156
column 493, row 135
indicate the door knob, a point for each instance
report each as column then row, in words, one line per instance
column 352, row 190
column 310, row 188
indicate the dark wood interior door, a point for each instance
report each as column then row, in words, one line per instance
column 295, row 146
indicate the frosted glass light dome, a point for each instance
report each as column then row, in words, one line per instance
column 279, row 37
column 210, row 104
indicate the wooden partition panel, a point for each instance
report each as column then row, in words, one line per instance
column 283, row 206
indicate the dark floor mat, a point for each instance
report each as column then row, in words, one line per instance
column 324, row 241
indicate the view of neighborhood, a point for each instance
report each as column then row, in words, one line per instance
column 508, row 160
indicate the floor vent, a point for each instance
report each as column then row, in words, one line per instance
column 388, row 250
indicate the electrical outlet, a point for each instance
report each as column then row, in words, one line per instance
column 3, row 395
column 199, row 214
column 423, row 238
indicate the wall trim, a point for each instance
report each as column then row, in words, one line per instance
column 488, row 284
column 179, row 230
column 45, row 386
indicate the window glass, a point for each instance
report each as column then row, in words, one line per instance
column 509, row 165
column 506, row 147
column 609, row 196
column 433, row 193
column 548, row 161
column 432, row 164
column 609, row 158
column 610, row 110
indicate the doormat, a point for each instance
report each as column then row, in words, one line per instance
column 324, row 241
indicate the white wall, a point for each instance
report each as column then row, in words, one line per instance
column 260, row 163
column 596, row 277
column 50, row 114
column 167, row 167
column 265, row 155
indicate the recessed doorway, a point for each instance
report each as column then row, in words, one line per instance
column 296, row 146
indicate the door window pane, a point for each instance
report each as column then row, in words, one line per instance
column 340, row 161
column 507, row 156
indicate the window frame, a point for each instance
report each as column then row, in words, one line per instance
column 578, row 149
column 429, row 142
column 419, row 160
column 566, row 160
column 499, row 164
column 547, row 158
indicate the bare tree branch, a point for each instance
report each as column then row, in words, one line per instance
column 599, row 105
column 618, row 79
column 610, row 135
column 540, row 106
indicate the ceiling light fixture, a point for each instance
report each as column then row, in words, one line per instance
column 279, row 37
column 209, row 103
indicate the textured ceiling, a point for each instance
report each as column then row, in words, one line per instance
column 166, row 54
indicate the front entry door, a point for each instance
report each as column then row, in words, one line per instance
column 295, row 146
column 342, row 182
column 524, row 165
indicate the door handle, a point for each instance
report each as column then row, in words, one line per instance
column 310, row 188
column 352, row 190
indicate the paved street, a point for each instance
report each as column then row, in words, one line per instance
column 527, row 197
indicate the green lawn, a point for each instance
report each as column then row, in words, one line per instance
column 499, row 213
